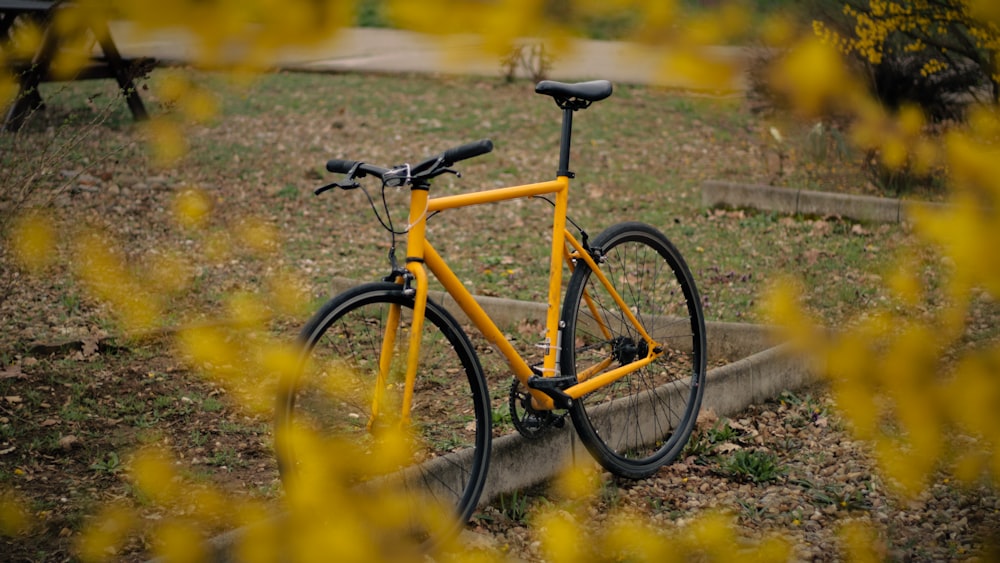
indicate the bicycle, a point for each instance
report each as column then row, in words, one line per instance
column 624, row 355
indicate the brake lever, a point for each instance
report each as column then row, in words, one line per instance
column 348, row 184
column 342, row 185
column 325, row 188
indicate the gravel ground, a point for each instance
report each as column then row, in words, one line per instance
column 820, row 478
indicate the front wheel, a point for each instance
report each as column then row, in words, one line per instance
column 347, row 400
column 640, row 422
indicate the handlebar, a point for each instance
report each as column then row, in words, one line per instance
column 466, row 151
column 424, row 170
column 339, row 166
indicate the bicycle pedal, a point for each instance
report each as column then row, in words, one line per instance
column 554, row 387
column 533, row 422
column 541, row 421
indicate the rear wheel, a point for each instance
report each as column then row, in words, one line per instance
column 641, row 421
column 339, row 404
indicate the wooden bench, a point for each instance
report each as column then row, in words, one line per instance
column 31, row 72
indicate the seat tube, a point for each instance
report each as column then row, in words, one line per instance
column 416, row 233
column 552, row 330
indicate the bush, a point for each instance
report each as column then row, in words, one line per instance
column 943, row 95
column 933, row 54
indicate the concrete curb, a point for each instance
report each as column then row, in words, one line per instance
column 810, row 202
column 758, row 371
column 518, row 463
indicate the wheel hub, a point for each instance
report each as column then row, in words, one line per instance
column 625, row 350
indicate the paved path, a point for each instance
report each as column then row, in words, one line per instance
column 389, row 50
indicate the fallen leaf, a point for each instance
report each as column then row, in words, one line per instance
column 739, row 425
column 821, row 228
column 529, row 326
column 90, row 345
column 706, row 418
column 13, row 398
column 12, row 372
column 68, row 442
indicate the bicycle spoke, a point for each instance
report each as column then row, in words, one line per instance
column 449, row 434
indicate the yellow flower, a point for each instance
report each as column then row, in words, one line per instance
column 34, row 241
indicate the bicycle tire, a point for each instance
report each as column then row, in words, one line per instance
column 452, row 429
column 642, row 421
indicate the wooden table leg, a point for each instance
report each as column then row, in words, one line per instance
column 123, row 71
column 28, row 98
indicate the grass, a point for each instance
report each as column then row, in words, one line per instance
column 226, row 457
column 643, row 135
column 835, row 494
column 755, row 466
column 69, row 440
column 514, row 505
column 704, row 444
column 750, row 510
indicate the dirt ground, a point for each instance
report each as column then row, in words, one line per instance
column 79, row 394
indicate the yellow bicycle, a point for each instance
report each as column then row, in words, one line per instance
column 624, row 354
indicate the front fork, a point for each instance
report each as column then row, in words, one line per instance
column 416, row 330
column 388, row 352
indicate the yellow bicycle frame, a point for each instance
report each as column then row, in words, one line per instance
column 420, row 253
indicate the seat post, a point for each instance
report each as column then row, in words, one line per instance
column 567, row 134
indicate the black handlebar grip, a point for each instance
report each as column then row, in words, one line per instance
column 451, row 156
column 339, row 166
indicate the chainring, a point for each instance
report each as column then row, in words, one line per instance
column 528, row 421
